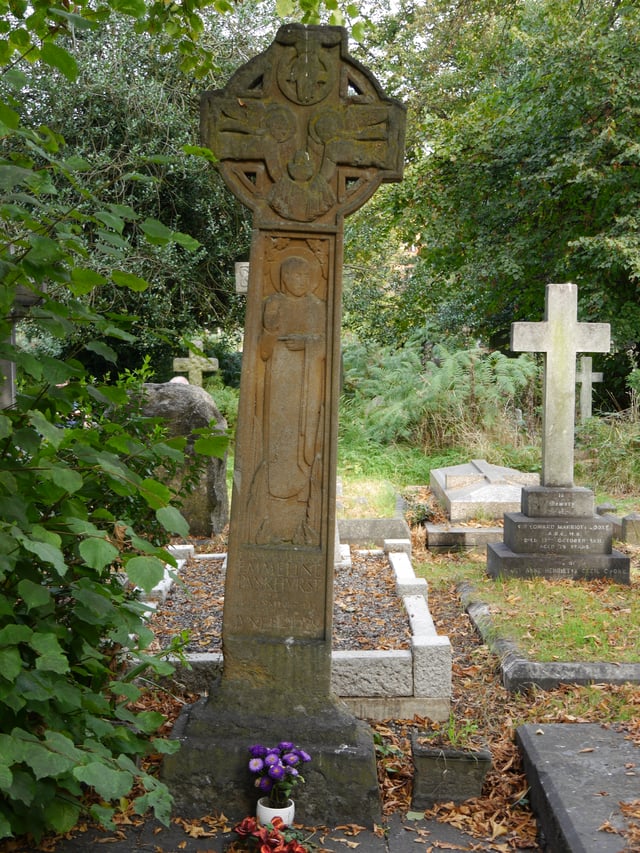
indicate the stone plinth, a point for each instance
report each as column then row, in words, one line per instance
column 215, row 734
column 555, row 537
column 630, row 531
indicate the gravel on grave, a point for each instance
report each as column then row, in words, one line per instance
column 367, row 614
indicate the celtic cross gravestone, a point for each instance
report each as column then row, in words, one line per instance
column 304, row 136
column 194, row 365
column 557, row 534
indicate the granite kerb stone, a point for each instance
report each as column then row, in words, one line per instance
column 375, row 684
column 519, row 673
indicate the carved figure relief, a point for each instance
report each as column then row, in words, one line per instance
column 284, row 499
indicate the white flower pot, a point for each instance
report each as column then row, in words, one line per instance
column 266, row 814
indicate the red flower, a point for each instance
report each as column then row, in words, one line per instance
column 247, row 826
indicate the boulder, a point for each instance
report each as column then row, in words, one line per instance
column 185, row 408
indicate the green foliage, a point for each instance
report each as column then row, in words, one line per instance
column 608, row 457
column 522, row 164
column 77, row 461
column 162, row 244
column 82, row 516
column 440, row 399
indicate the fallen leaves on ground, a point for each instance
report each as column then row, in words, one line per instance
column 367, row 613
column 501, row 817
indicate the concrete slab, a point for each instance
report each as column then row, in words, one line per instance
column 478, row 488
column 579, row 774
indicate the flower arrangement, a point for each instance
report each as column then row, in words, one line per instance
column 277, row 770
column 265, row 839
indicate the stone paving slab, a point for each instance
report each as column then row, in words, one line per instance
column 151, row 837
column 579, row 774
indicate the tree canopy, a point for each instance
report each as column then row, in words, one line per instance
column 523, row 162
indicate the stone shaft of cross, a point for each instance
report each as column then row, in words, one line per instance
column 195, row 365
column 586, row 377
column 560, row 337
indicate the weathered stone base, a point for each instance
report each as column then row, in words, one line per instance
column 503, row 562
column 209, row 773
column 446, row 775
column 557, row 501
column 440, row 539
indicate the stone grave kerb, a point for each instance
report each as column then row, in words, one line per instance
column 303, row 136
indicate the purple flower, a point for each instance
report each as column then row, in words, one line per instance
column 291, row 758
column 265, row 784
column 276, row 771
column 291, row 771
column 256, row 765
column 304, row 756
column 286, row 746
column 257, row 751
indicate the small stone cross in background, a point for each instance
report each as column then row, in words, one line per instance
column 195, row 365
column 586, row 378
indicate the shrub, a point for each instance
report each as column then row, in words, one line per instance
column 76, row 489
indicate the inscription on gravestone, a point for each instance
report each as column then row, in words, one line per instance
column 304, row 136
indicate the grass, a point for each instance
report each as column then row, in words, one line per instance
column 551, row 620
column 367, row 498
column 568, row 620
column 585, row 621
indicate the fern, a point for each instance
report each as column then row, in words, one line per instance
column 400, row 395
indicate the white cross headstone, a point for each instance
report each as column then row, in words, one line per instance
column 560, row 337
column 586, row 377
column 195, row 365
